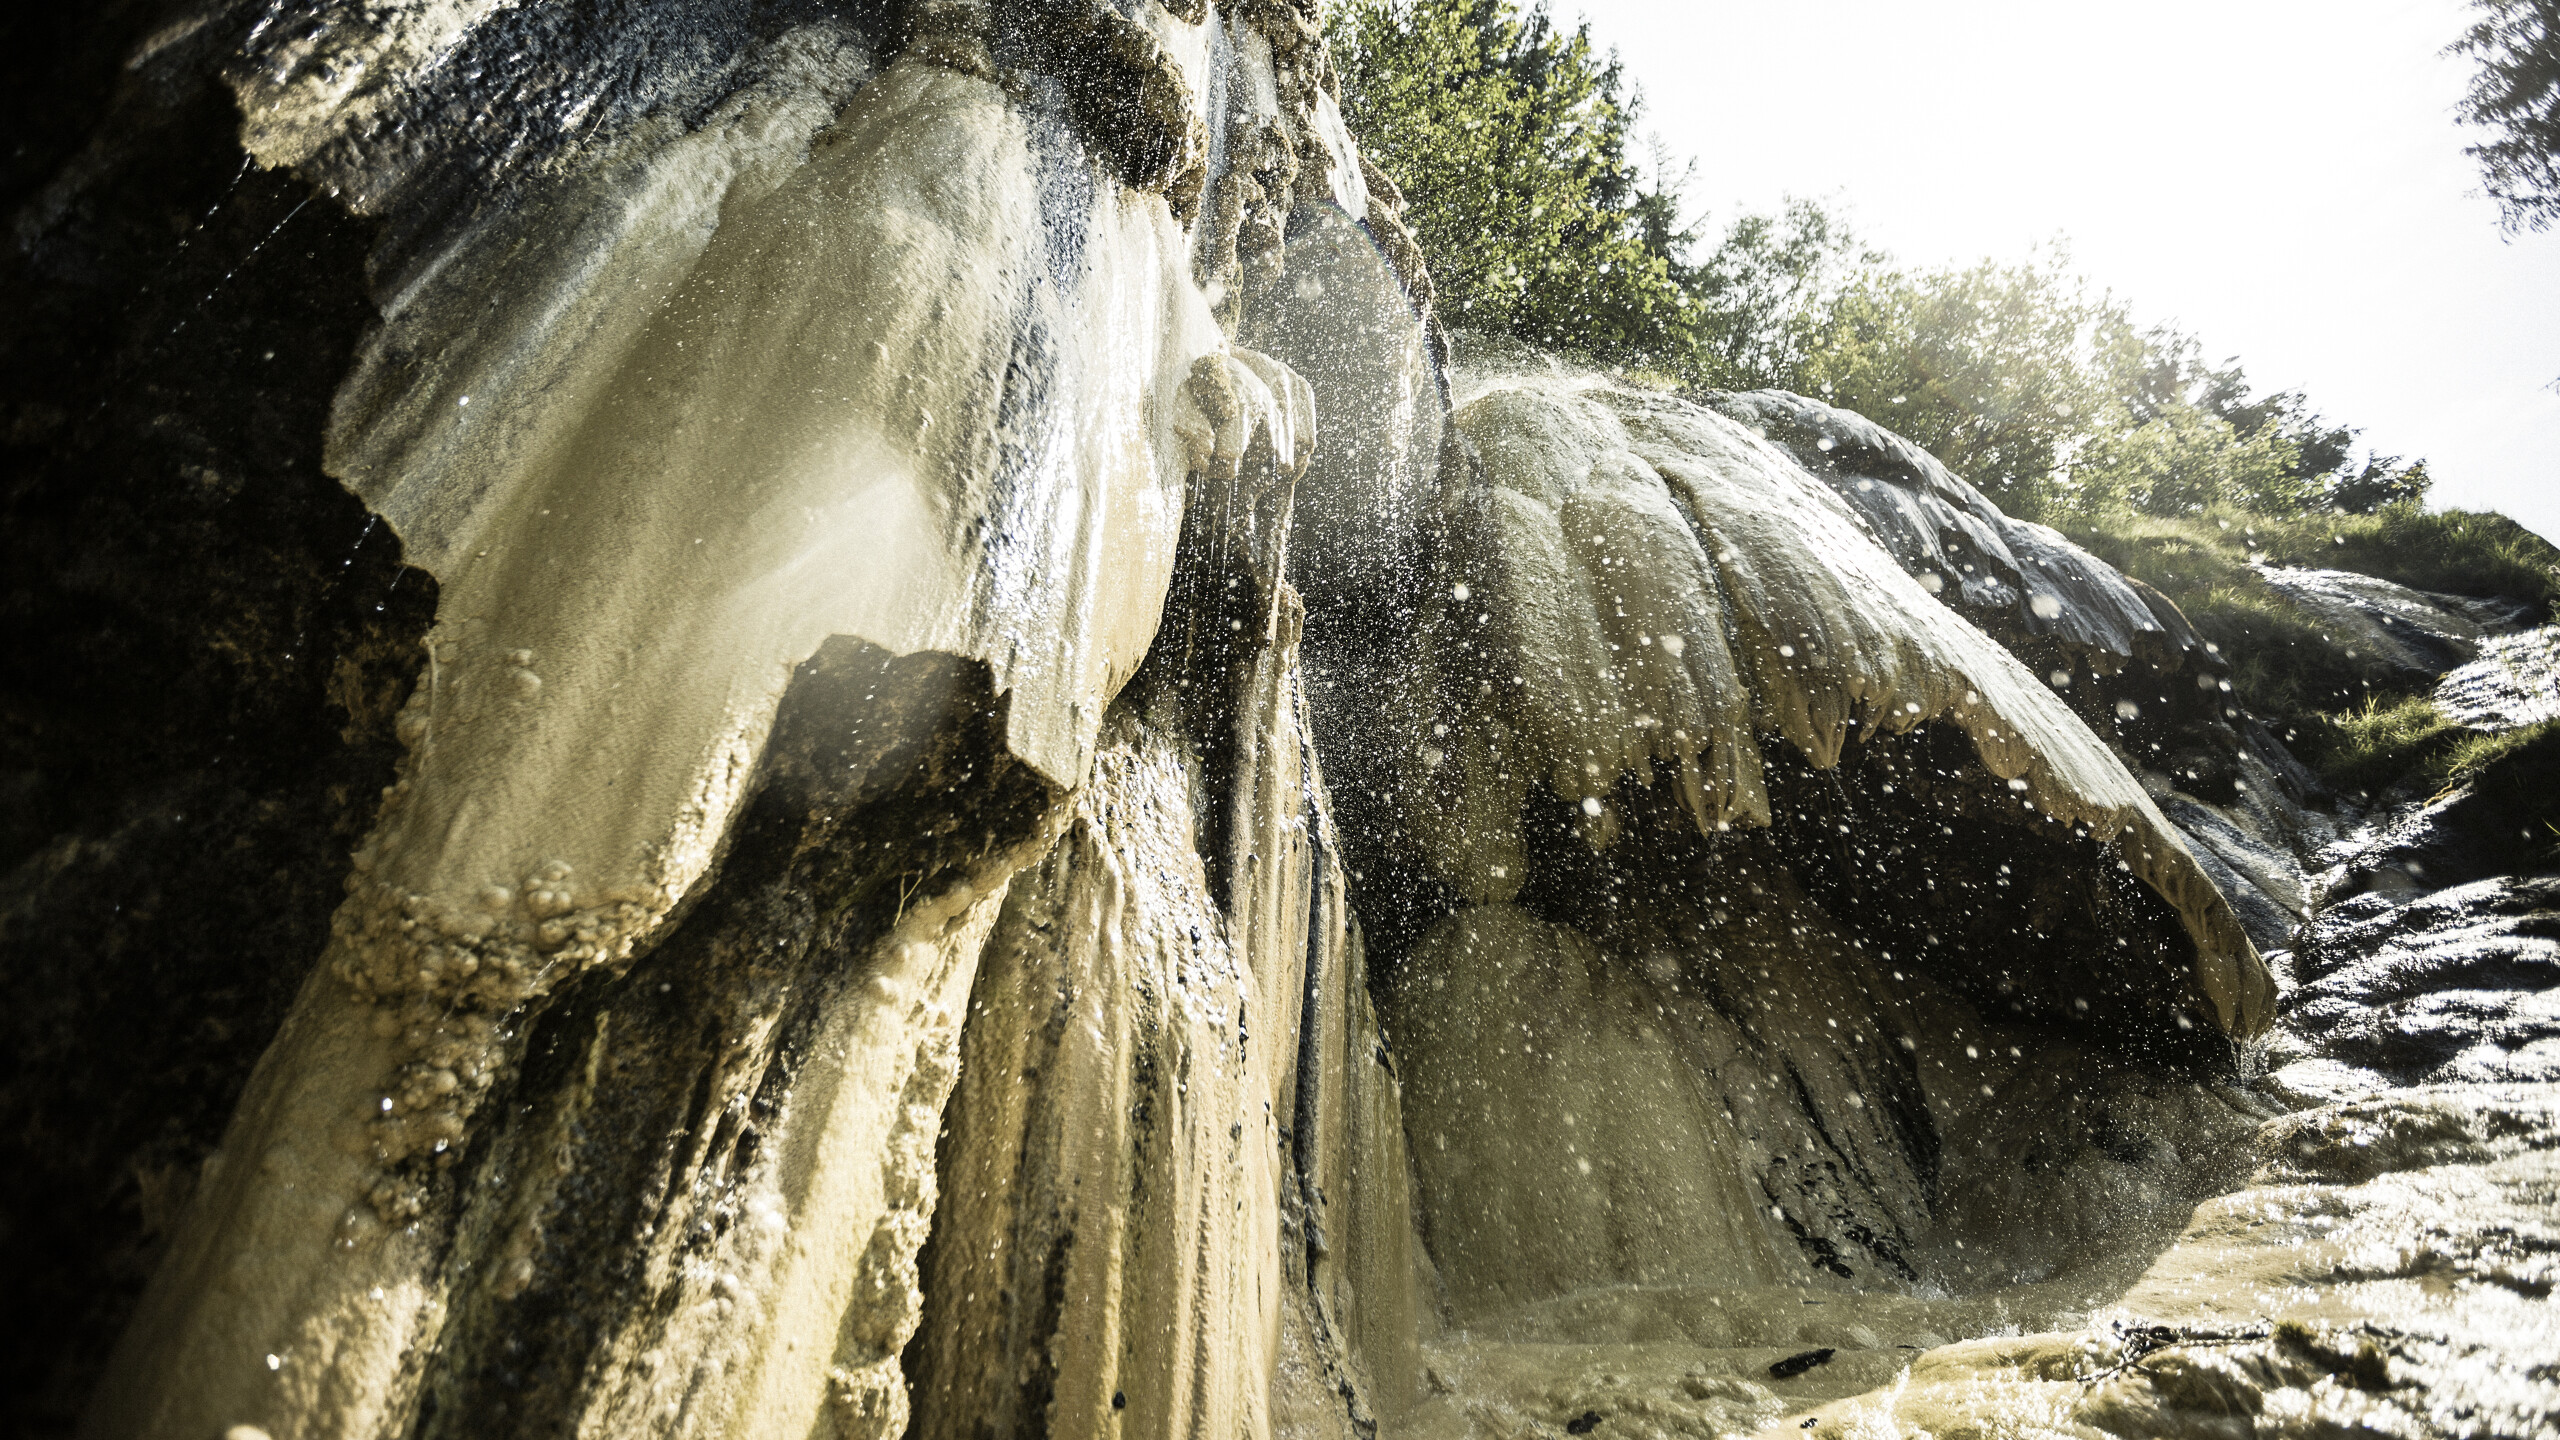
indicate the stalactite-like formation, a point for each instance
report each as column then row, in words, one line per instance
column 1031, row 805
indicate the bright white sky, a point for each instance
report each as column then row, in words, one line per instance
column 2281, row 178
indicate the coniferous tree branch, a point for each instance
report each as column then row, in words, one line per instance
column 2516, row 96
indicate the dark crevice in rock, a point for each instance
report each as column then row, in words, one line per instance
column 203, row 642
column 1994, row 906
column 643, row 1098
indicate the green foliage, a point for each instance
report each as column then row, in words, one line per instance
column 2380, row 486
column 2048, row 398
column 2178, row 436
column 2516, row 96
column 2186, row 459
column 1984, row 367
column 2453, row 552
column 2023, row 379
column 1766, row 290
column 1509, row 137
column 2360, row 733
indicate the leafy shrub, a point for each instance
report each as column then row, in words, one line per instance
column 2516, row 97
column 1510, row 138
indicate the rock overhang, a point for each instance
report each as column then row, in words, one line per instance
column 1603, row 521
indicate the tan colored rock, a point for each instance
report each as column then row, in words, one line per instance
column 1829, row 638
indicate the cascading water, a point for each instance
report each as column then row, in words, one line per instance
column 1033, row 806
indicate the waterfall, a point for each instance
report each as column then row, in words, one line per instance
column 1033, row 803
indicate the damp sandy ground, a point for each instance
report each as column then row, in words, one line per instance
column 2386, row 1269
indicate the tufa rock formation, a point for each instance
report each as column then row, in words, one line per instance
column 843, row 721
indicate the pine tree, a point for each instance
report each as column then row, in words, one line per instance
column 2516, row 96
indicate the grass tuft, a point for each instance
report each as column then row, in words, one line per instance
column 2360, row 729
column 2374, row 745
column 2477, row 754
column 2452, row 552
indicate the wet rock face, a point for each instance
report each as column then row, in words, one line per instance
column 2034, row 923
column 1837, row 1045
column 2455, row 985
column 2008, row 575
column 2393, row 632
column 1738, row 927
column 1625, row 584
column 2514, row 683
column 2435, row 954
column 912, row 519
column 663, row 1107
column 2120, row 653
column 206, row 641
column 210, row 641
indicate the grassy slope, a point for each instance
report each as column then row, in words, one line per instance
column 2364, row 734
